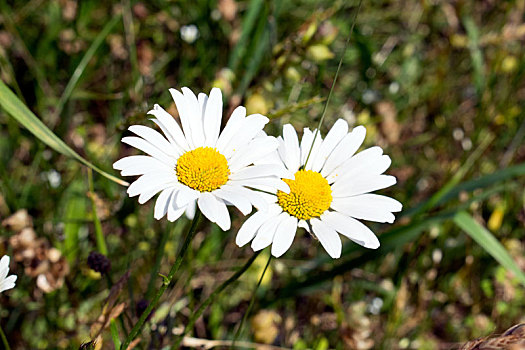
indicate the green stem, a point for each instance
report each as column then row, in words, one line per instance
column 4, row 339
column 333, row 83
column 196, row 314
column 252, row 301
column 158, row 259
column 99, row 235
column 167, row 281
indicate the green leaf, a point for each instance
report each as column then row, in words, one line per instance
column 83, row 64
column 486, row 240
column 18, row 110
column 75, row 213
column 114, row 334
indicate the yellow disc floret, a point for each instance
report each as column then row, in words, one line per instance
column 310, row 195
column 204, row 169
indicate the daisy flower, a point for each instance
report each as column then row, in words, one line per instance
column 5, row 281
column 329, row 192
column 197, row 165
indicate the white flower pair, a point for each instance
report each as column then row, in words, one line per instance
column 322, row 188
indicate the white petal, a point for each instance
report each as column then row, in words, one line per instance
column 8, row 283
column 269, row 184
column 332, row 139
column 358, row 164
column 304, row 224
column 234, row 197
column 214, row 209
column 250, row 226
column 4, row 267
column 362, row 185
column 186, row 195
column 353, row 170
column 284, row 236
column 328, row 238
column 250, row 127
column 151, row 190
column 344, row 150
column 162, row 203
column 232, row 128
column 254, row 152
column 185, row 115
column 271, row 158
column 203, row 100
column 148, row 148
column 174, row 212
column 146, row 181
column 155, row 138
column 262, row 170
column 195, row 120
column 266, row 232
column 213, row 117
column 223, row 217
column 170, row 127
column 190, row 209
column 255, row 197
column 306, row 144
column 368, row 207
column 351, row 228
column 139, row 165
column 292, row 153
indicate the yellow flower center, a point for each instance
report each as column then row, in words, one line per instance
column 204, row 169
column 310, row 195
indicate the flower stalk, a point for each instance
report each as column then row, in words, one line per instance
column 196, row 314
column 4, row 339
column 167, row 281
column 252, row 301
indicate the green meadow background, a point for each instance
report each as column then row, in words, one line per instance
column 439, row 85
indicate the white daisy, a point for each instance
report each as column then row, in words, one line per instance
column 6, row 282
column 198, row 164
column 327, row 195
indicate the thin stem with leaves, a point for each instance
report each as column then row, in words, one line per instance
column 167, row 281
column 250, row 306
column 333, row 83
column 197, row 313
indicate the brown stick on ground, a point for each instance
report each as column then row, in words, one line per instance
column 512, row 339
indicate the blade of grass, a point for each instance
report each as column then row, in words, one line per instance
column 32, row 64
column 127, row 19
column 249, row 20
column 19, row 111
column 75, row 208
column 99, row 235
column 333, row 83
column 114, row 334
column 261, row 41
column 291, row 108
column 75, row 77
column 475, row 54
column 488, row 242
column 458, row 176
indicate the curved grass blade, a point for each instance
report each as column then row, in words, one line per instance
column 19, row 111
column 487, row 241
column 83, row 64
